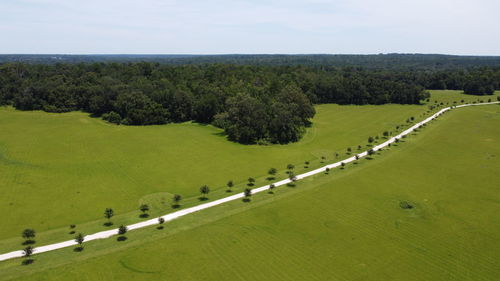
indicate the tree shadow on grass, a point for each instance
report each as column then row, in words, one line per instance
column 143, row 216
column 71, row 232
column 220, row 134
column 270, row 178
column 291, row 184
column 78, row 249
column 369, row 158
column 29, row 242
column 121, row 238
column 250, row 184
column 246, row 200
column 27, row 261
column 176, row 206
column 108, row 223
column 203, row 198
column 270, row 192
column 160, row 227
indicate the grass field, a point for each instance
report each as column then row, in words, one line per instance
column 82, row 165
column 344, row 226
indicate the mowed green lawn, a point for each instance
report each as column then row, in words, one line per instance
column 61, row 169
column 347, row 225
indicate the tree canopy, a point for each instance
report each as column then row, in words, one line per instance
column 252, row 103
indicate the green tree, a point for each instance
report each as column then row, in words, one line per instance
column 112, row 117
column 161, row 221
column 247, row 192
column 246, row 119
column 251, row 181
column 230, row 185
column 176, row 200
column 29, row 235
column 79, row 238
column 144, row 208
column 272, row 172
column 204, row 190
column 108, row 214
column 122, row 230
column 27, row 252
column 138, row 109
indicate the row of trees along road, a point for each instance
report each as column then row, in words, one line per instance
column 29, row 234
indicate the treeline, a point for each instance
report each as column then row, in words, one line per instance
column 251, row 103
column 426, row 62
column 475, row 81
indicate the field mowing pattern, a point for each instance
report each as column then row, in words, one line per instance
column 343, row 226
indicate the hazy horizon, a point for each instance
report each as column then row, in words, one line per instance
column 173, row 27
column 238, row 54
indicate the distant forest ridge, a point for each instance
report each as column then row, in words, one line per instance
column 380, row 61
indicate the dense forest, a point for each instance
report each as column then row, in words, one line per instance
column 252, row 103
column 381, row 61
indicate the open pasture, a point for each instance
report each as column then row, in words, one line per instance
column 346, row 225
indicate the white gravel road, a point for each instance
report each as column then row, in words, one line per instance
column 178, row 214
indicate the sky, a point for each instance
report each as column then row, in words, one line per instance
column 470, row 27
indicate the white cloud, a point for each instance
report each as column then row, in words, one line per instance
column 246, row 26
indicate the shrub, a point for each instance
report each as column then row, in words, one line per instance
column 405, row 205
column 112, row 117
column 122, row 230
